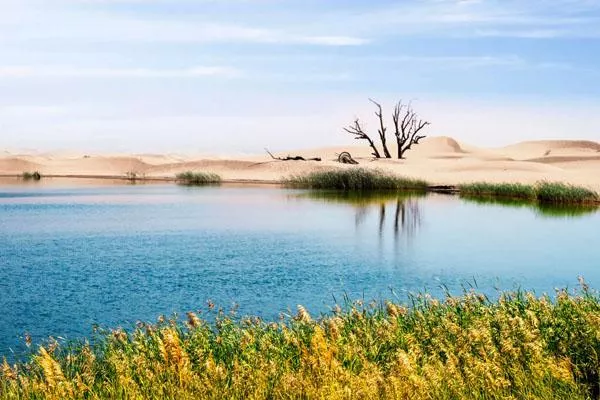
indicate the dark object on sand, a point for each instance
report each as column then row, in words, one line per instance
column 294, row 158
column 345, row 158
column 36, row 176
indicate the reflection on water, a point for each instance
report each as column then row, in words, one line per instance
column 402, row 208
column 545, row 210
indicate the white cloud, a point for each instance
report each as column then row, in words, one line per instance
column 41, row 22
column 28, row 111
column 541, row 19
column 75, row 72
column 330, row 40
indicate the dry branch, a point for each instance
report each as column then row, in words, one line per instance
column 359, row 134
column 345, row 158
column 292, row 158
column 382, row 129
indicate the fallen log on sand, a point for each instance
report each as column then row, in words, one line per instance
column 292, row 158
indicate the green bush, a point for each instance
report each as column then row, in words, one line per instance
column 542, row 192
column 190, row 178
column 35, row 176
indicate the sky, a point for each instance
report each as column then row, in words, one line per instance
column 227, row 76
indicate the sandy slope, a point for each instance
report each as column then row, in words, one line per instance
column 441, row 160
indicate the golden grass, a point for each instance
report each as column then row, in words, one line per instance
column 517, row 347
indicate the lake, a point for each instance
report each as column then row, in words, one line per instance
column 73, row 256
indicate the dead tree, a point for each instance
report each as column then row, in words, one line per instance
column 382, row 129
column 407, row 126
column 359, row 134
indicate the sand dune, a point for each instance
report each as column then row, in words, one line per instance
column 440, row 160
column 437, row 145
column 545, row 148
column 14, row 165
column 565, row 159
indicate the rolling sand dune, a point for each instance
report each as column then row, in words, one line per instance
column 545, row 148
column 438, row 145
column 14, row 165
column 440, row 160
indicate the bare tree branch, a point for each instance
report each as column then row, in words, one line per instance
column 359, row 134
column 407, row 130
column 382, row 129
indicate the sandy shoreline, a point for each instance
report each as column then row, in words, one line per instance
column 439, row 160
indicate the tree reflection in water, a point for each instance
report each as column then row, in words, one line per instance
column 404, row 208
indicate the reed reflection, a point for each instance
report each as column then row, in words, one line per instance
column 400, row 210
column 540, row 209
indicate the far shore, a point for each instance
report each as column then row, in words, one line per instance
column 441, row 161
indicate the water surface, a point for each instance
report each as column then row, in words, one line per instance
column 74, row 256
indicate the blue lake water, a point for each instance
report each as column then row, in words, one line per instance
column 74, row 256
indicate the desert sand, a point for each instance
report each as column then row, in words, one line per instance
column 439, row 160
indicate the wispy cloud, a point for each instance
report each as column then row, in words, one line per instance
column 539, row 19
column 223, row 62
column 40, row 22
column 28, row 111
column 75, row 72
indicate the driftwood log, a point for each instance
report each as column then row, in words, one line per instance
column 292, row 158
column 345, row 158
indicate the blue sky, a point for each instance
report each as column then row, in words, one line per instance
column 239, row 75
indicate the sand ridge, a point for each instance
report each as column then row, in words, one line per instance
column 440, row 160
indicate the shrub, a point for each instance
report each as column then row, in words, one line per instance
column 36, row 176
column 190, row 178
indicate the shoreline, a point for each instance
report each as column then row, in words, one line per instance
column 444, row 189
column 444, row 163
column 137, row 179
column 451, row 190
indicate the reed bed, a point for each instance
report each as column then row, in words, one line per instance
column 468, row 347
column 542, row 192
column 190, row 178
column 500, row 190
column 354, row 179
column 559, row 193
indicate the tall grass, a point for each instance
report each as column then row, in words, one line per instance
column 468, row 347
column 191, row 178
column 502, row 190
column 559, row 193
column 354, row 179
column 542, row 192
column 35, row 176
